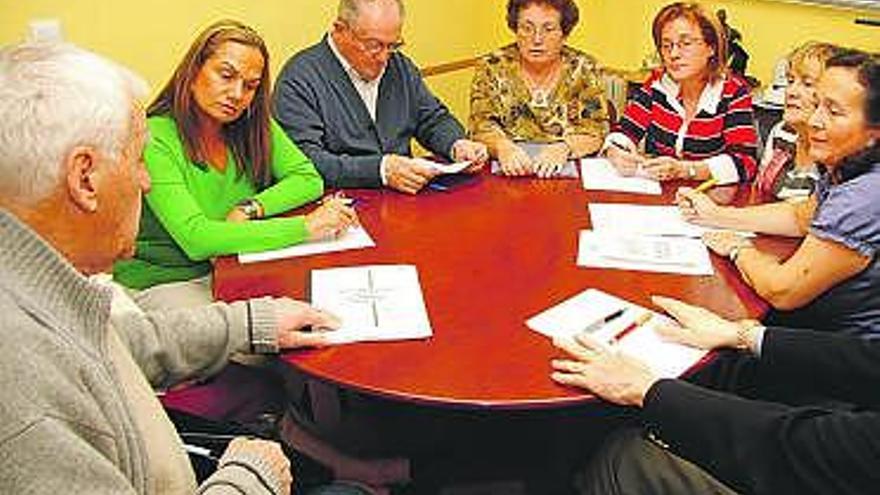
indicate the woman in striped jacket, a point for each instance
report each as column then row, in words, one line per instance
column 692, row 117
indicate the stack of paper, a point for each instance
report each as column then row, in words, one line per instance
column 598, row 174
column 647, row 238
column 607, row 249
column 354, row 238
column 374, row 302
column 583, row 311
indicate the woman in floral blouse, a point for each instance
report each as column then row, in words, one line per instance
column 538, row 90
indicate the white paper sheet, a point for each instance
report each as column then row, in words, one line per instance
column 598, row 174
column 355, row 238
column 375, row 302
column 443, row 168
column 666, row 360
column 625, row 251
column 646, row 220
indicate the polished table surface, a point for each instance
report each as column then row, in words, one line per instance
column 490, row 253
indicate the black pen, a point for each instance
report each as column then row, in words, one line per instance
column 601, row 322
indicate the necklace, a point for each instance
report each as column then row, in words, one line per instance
column 541, row 88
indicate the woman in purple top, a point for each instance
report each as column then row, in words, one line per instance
column 832, row 281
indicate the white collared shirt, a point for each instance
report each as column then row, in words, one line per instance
column 367, row 90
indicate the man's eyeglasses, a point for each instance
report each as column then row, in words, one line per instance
column 374, row 46
column 684, row 44
column 529, row 30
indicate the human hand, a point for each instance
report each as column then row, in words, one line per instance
column 603, row 370
column 293, row 316
column 513, row 160
column 332, row 218
column 551, row 159
column 406, row 175
column 626, row 162
column 236, row 215
column 699, row 327
column 697, row 207
column 465, row 150
column 664, row 168
column 269, row 452
column 721, row 242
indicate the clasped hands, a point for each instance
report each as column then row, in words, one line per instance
column 623, row 379
column 514, row 161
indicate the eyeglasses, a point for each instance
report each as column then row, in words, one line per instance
column 683, row 44
column 374, row 46
column 529, row 30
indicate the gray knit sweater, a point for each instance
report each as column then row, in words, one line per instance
column 65, row 424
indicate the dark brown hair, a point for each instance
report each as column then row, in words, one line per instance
column 867, row 69
column 710, row 27
column 248, row 137
column 567, row 9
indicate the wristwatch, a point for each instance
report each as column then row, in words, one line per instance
column 250, row 207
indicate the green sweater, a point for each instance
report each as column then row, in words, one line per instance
column 184, row 224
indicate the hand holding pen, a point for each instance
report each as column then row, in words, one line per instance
column 333, row 217
column 627, row 162
column 697, row 207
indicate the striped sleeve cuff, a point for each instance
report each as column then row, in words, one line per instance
column 263, row 326
column 723, row 169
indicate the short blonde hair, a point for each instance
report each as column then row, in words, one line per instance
column 713, row 32
column 811, row 51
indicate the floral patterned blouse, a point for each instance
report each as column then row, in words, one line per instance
column 502, row 102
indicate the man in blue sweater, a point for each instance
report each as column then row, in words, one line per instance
column 353, row 103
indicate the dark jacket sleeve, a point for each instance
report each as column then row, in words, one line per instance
column 437, row 129
column 763, row 447
column 298, row 106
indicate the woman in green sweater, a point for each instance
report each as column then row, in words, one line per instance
column 220, row 168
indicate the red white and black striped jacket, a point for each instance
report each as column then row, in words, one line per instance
column 722, row 133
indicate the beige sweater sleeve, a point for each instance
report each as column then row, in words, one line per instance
column 185, row 344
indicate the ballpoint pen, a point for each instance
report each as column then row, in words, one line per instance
column 601, row 322
column 639, row 321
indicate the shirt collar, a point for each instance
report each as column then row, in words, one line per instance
column 710, row 98
column 346, row 66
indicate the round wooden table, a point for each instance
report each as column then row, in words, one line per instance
column 491, row 252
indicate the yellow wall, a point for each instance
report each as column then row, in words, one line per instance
column 151, row 36
column 618, row 32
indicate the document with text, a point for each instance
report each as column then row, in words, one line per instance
column 625, row 251
column 620, row 323
column 646, row 220
column 354, row 238
column 374, row 302
column 598, row 174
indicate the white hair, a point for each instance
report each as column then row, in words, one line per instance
column 53, row 97
column 349, row 10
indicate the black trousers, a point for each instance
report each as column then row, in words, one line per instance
column 630, row 464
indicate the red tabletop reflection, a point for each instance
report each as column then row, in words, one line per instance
column 490, row 253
